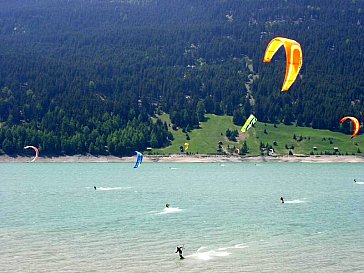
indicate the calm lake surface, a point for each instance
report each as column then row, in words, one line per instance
column 228, row 217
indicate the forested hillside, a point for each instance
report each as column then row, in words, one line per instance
column 86, row 76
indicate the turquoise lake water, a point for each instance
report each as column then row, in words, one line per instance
column 228, row 217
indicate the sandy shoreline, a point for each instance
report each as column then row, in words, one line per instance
column 185, row 159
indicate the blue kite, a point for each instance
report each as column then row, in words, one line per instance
column 139, row 159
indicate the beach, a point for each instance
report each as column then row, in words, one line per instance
column 187, row 159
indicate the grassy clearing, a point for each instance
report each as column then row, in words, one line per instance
column 205, row 140
column 305, row 140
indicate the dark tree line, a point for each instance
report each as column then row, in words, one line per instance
column 87, row 76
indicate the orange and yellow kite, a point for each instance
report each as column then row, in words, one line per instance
column 355, row 123
column 293, row 57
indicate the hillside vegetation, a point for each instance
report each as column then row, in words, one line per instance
column 88, row 76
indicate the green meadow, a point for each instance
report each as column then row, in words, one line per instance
column 282, row 138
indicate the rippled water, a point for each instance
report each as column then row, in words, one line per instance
column 228, row 217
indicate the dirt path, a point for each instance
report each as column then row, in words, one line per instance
column 251, row 78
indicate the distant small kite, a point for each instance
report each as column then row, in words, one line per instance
column 139, row 159
column 249, row 123
column 36, row 152
column 186, row 146
column 355, row 123
column 293, row 58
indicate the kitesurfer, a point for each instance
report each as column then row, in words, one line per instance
column 354, row 180
column 282, row 200
column 179, row 250
column 167, row 205
column 95, row 188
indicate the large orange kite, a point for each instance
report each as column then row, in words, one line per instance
column 294, row 58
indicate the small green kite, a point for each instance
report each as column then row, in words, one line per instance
column 249, row 122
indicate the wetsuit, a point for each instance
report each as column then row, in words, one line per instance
column 179, row 250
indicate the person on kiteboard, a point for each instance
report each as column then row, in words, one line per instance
column 179, row 250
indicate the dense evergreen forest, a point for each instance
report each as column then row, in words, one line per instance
column 89, row 76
